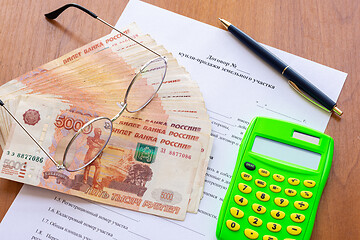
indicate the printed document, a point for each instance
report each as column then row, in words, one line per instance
column 236, row 86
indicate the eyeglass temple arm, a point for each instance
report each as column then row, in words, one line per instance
column 29, row 134
column 54, row 14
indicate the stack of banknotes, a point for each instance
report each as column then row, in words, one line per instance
column 156, row 159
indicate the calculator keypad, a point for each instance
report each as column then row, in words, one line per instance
column 256, row 184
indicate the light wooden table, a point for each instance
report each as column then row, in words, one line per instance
column 325, row 31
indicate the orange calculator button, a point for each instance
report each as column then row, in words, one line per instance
column 260, row 183
column 275, row 189
column 264, row 172
column 309, row 183
column 251, row 234
column 294, row 181
column 277, row 214
column 297, row 217
column 256, row 222
column 240, row 200
column 301, row 205
column 258, row 208
column 306, row 194
column 278, row 177
column 281, row 202
column 236, row 212
column 246, row 176
column 293, row 230
column 244, row 188
column 290, row 192
column 233, row 226
column 274, row 227
column 263, row 196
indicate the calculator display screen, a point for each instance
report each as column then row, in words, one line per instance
column 286, row 152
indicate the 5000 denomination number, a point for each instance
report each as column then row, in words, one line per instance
column 69, row 123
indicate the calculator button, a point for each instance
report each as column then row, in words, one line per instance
column 250, row 166
column 258, row 208
column 301, row 205
column 290, row 192
column 246, row 176
column 263, row 196
column 309, row 183
column 251, row 234
column 281, row 202
column 236, row 212
column 275, row 189
column 297, row 217
column 268, row 237
column 233, row 226
column 260, row 183
column 306, row 194
column 274, row 227
column 264, row 172
column 240, row 200
column 278, row 177
column 293, row 230
column 277, row 214
column 294, row 181
column 256, row 222
column 244, row 188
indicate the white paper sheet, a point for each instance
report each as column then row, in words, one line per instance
column 236, row 85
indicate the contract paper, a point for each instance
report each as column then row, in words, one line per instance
column 236, row 86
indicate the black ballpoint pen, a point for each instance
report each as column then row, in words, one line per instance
column 298, row 82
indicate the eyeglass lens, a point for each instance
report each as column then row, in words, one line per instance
column 145, row 84
column 87, row 144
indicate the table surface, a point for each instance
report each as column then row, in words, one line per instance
column 325, row 31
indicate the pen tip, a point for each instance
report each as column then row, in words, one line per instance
column 225, row 23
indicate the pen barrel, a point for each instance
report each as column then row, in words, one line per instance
column 283, row 68
column 309, row 88
column 259, row 50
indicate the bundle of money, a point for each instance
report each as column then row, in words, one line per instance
column 156, row 158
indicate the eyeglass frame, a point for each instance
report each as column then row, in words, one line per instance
column 53, row 15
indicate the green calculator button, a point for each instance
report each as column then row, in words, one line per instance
column 309, row 183
column 268, row 237
column 251, row 234
column 306, row 194
column 244, row 188
column 293, row 230
column 250, row 166
column 246, row 176
column 278, row 177
column 274, row 227
column 235, row 212
column 275, row 188
column 297, row 217
column 240, row 200
column 294, row 181
column 260, row 183
column 264, row 172
column 256, row 222
column 263, row 196
column 233, row 226
column 277, row 214
column 258, row 208
column 281, row 202
column 290, row 192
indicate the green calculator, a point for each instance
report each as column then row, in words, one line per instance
column 280, row 173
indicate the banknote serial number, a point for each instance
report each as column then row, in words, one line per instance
column 179, row 154
column 26, row 156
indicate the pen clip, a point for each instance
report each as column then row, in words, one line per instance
column 297, row 89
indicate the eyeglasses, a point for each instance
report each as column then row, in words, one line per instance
column 96, row 134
